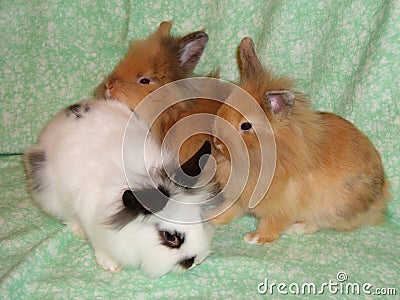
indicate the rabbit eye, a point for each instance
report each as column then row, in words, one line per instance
column 171, row 240
column 170, row 237
column 246, row 126
column 144, row 80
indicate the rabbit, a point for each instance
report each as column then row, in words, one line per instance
column 85, row 172
column 152, row 62
column 328, row 174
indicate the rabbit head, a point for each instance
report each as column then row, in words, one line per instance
column 162, row 222
column 282, row 107
column 152, row 62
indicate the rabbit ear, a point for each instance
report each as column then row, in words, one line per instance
column 280, row 102
column 250, row 64
column 191, row 48
column 164, row 28
column 139, row 203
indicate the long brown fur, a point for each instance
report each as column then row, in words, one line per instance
column 328, row 174
column 178, row 112
column 159, row 58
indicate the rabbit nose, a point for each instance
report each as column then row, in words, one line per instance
column 219, row 145
column 188, row 263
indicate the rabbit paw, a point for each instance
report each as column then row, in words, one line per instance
column 106, row 263
column 255, row 238
column 76, row 229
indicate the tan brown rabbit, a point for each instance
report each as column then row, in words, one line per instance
column 152, row 62
column 328, row 174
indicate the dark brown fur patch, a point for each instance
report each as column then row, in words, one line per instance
column 78, row 110
column 138, row 203
column 35, row 162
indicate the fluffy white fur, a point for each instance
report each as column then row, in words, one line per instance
column 82, row 179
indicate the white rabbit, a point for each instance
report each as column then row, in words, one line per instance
column 76, row 173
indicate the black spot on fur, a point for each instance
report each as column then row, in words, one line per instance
column 35, row 162
column 153, row 200
column 78, row 110
column 132, row 203
column 193, row 166
column 187, row 263
column 138, row 203
column 164, row 191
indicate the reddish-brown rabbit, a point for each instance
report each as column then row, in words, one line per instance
column 152, row 62
column 328, row 174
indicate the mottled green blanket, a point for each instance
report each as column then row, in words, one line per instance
column 344, row 54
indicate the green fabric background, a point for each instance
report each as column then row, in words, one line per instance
column 344, row 54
